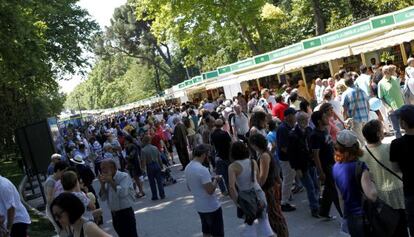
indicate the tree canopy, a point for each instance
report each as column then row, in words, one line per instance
column 167, row 41
column 40, row 42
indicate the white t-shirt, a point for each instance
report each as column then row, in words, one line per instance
column 363, row 82
column 197, row 175
column 9, row 197
column 271, row 99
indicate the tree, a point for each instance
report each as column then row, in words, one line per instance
column 115, row 81
column 39, row 42
column 133, row 38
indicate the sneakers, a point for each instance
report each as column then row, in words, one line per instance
column 287, row 207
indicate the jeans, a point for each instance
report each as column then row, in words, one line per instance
column 124, row 222
column 155, row 180
column 310, row 182
column 409, row 208
column 222, row 168
column 288, row 176
column 395, row 124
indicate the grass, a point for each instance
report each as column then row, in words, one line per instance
column 40, row 226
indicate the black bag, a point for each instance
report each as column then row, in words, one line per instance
column 249, row 204
column 381, row 218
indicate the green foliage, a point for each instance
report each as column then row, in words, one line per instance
column 167, row 37
column 39, row 42
column 114, row 81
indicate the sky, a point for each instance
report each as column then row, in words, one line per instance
column 101, row 11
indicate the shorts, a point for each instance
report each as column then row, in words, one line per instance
column 212, row 223
column 134, row 170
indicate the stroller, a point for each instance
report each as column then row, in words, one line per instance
column 167, row 177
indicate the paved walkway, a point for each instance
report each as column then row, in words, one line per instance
column 176, row 216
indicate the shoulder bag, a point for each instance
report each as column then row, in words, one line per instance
column 381, row 219
column 249, row 202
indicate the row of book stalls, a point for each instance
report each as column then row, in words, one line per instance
column 384, row 39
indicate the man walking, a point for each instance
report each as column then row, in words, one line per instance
column 133, row 152
column 240, row 124
column 390, row 93
column 323, row 151
column 151, row 159
column 221, row 141
column 180, row 141
column 282, row 148
column 118, row 191
column 203, row 186
column 300, row 158
column 356, row 106
column 400, row 156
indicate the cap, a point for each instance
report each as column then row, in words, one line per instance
column 409, row 61
column 406, row 113
column 78, row 160
column 347, row 138
column 289, row 111
column 56, row 156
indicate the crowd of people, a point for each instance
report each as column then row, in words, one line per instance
column 269, row 146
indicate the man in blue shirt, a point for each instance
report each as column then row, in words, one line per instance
column 287, row 171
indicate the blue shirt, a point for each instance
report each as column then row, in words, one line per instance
column 350, row 103
column 282, row 137
column 271, row 138
column 347, row 183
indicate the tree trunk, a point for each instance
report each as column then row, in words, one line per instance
column 245, row 35
column 318, row 17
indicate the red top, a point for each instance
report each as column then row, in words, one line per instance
column 279, row 109
column 157, row 138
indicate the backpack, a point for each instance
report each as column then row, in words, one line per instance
column 249, row 203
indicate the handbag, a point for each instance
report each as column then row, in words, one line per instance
column 249, row 203
column 382, row 165
column 382, row 220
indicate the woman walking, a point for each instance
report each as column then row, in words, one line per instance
column 240, row 172
column 349, row 186
column 268, row 179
